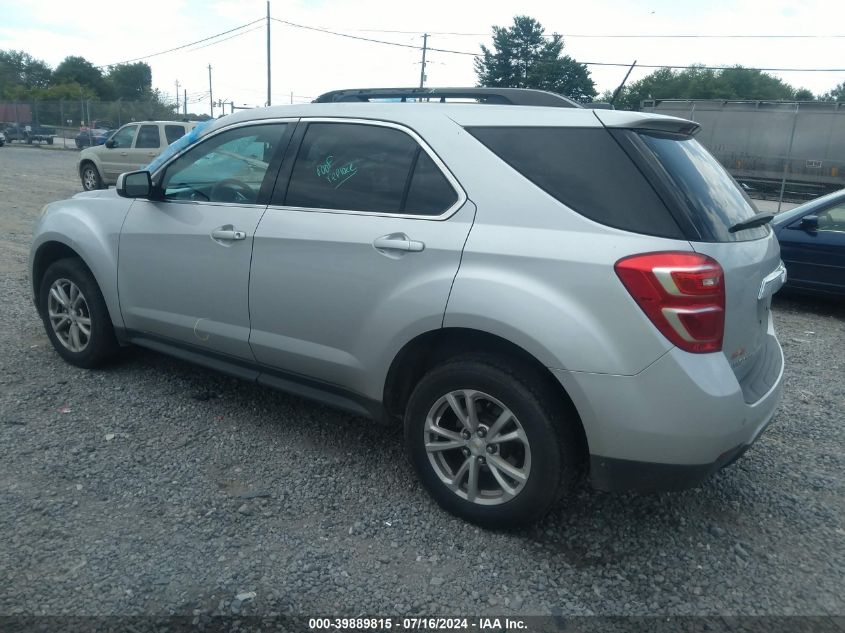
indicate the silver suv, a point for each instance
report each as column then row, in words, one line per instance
column 533, row 291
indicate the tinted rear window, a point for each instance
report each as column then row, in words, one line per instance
column 587, row 170
column 715, row 202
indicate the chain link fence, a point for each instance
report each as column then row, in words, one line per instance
column 62, row 122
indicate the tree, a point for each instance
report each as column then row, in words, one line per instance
column 132, row 82
column 80, row 70
column 837, row 94
column 19, row 70
column 804, row 94
column 525, row 58
column 702, row 83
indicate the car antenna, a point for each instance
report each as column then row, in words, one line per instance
column 619, row 89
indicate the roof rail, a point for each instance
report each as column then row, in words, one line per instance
column 499, row 96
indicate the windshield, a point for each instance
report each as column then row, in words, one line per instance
column 715, row 201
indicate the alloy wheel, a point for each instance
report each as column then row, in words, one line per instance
column 69, row 315
column 477, row 447
column 89, row 178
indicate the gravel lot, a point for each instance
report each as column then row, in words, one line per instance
column 154, row 487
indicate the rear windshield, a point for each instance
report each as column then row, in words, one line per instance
column 585, row 169
column 715, row 201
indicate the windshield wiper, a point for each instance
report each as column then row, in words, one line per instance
column 754, row 221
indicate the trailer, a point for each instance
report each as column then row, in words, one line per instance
column 29, row 133
column 770, row 144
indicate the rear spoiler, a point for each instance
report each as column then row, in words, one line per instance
column 651, row 122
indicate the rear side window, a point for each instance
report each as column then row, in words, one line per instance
column 714, row 201
column 173, row 132
column 361, row 167
column 148, row 137
column 587, row 170
column 429, row 193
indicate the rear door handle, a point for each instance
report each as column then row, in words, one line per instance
column 228, row 234
column 398, row 242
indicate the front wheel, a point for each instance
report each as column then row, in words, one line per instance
column 489, row 444
column 75, row 314
column 91, row 177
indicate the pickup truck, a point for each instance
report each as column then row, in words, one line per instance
column 30, row 132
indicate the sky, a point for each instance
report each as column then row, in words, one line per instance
column 306, row 63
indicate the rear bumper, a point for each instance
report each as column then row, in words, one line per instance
column 607, row 473
column 675, row 423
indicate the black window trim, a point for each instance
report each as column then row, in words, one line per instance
column 659, row 179
column 283, row 179
column 270, row 177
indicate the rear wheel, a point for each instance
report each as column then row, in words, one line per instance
column 91, row 179
column 75, row 315
column 488, row 444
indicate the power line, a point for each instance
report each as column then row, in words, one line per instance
column 352, row 37
column 622, row 35
column 616, row 64
column 177, row 48
column 257, row 28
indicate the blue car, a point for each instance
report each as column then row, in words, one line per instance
column 812, row 245
column 88, row 138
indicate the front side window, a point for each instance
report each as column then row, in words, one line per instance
column 832, row 219
column 228, row 167
column 360, row 167
column 124, row 136
column 148, row 137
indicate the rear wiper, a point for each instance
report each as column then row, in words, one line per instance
column 754, row 221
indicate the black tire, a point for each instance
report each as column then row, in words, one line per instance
column 50, row 141
column 102, row 344
column 550, row 428
column 90, row 176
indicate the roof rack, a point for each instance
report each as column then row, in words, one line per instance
column 498, row 96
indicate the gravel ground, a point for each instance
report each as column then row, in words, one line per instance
column 154, row 487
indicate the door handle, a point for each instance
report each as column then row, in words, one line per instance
column 228, row 234
column 398, row 242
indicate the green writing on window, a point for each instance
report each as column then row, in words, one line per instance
column 336, row 176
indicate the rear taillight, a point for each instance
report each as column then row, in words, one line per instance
column 682, row 293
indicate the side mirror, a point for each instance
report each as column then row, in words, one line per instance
column 110, row 143
column 810, row 223
column 134, row 184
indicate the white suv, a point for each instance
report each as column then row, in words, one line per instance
column 131, row 147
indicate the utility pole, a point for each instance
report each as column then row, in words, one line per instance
column 422, row 70
column 210, row 94
column 268, row 52
column 177, row 96
column 185, row 101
